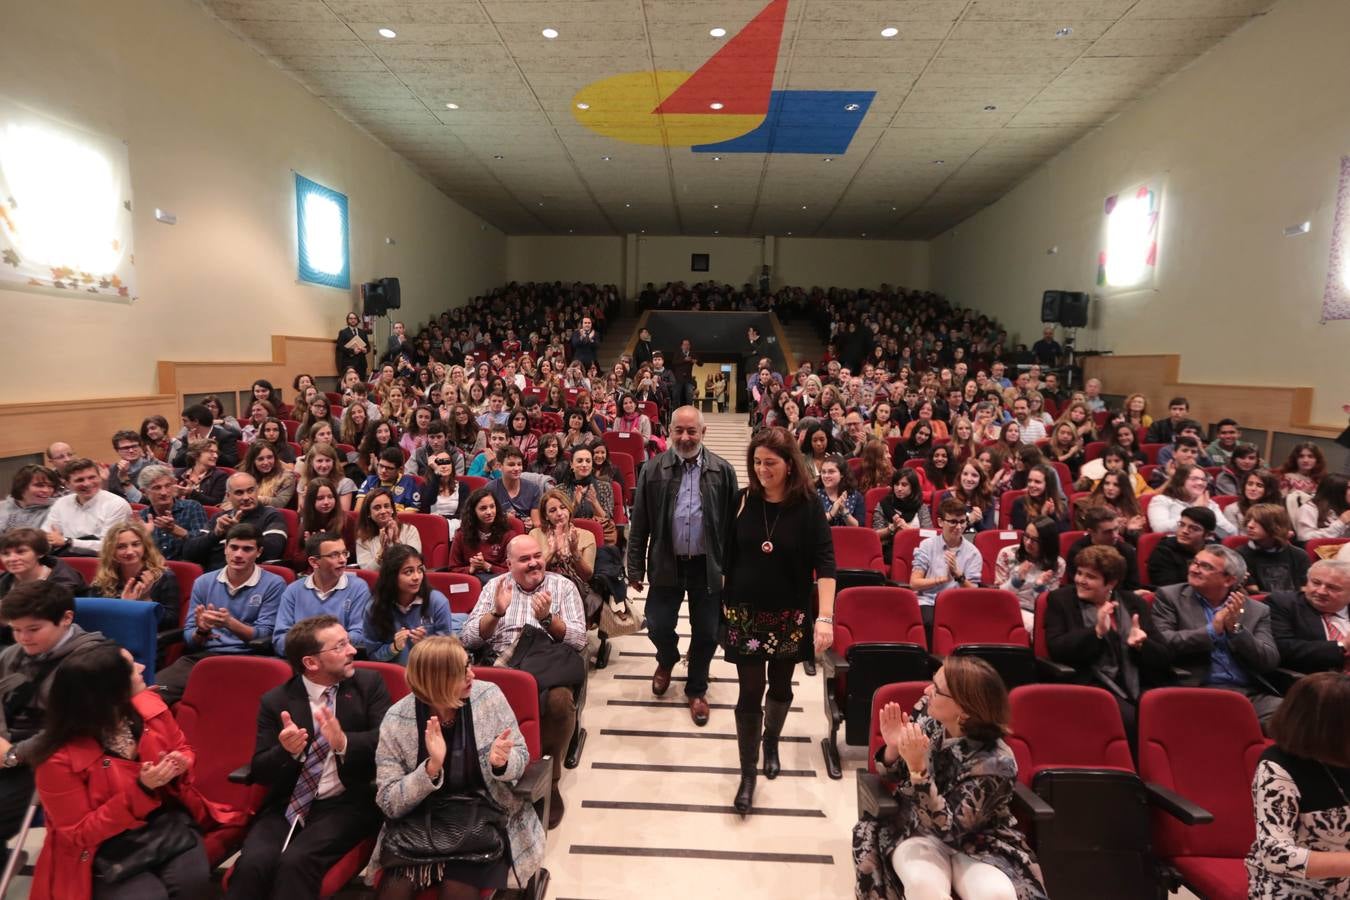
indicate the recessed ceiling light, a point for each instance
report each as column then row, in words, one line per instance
column 605, row 158
column 717, row 159
column 890, row 32
column 864, row 234
column 828, row 159
column 628, row 206
column 387, row 33
column 717, row 206
column 852, row 107
column 939, row 162
column 715, row 231
column 990, row 108
column 550, row 33
column 498, row 156
column 1063, row 32
column 789, row 234
column 718, row 32
column 895, row 209
column 541, row 202
column 452, row 106
column 642, row 231
column 583, row 106
column 714, row 105
column 569, row 231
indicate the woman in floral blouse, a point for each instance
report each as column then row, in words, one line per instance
column 953, row 777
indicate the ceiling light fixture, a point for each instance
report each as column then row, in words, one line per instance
column 715, row 231
column 803, row 207
column 990, row 108
column 789, row 234
column 541, row 202
column 939, row 162
column 452, row 106
column 714, row 105
column 717, row 159
column 864, row 234
column 387, row 33
column 829, row 159
column 718, row 32
column 628, row 206
column 852, row 107
column 889, row 32
column 498, row 156
column 550, row 33
column 895, row 209
column 1063, row 32
column 717, row 206
column 583, row 106
column 605, row 158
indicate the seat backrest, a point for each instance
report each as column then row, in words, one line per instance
column 131, row 624
column 217, row 716
column 366, row 575
column 292, row 427
column 857, row 548
column 460, row 589
column 1223, row 501
column 394, row 675
column 523, row 694
column 1147, row 542
column 1066, row 726
column 916, row 464
column 1075, row 499
column 1038, row 643
column 629, row 442
column 627, row 469
column 1093, row 450
column 1151, row 452
column 435, row 534
column 902, row 551
column 285, row 574
column 473, row 481
column 877, row 614
column 1235, row 541
column 1066, row 540
column 989, row 543
column 620, row 510
column 292, row 520
column 1005, row 507
column 87, row 566
column 652, row 411
column 871, row 500
column 905, row 693
column 597, row 531
column 977, row 616
column 1064, row 476
column 1204, row 744
column 187, row 573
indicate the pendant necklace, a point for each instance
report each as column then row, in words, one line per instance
column 767, row 546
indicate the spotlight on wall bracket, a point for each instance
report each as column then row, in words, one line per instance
column 1300, row 228
column 163, row 215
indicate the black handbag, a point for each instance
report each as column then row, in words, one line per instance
column 553, row 664
column 167, row 834
column 446, row 828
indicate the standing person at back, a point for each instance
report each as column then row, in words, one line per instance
column 682, row 510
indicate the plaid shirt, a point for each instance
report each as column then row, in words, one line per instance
column 187, row 513
column 566, row 605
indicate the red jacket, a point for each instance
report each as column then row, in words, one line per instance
column 89, row 796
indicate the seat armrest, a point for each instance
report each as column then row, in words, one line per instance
column 1054, row 671
column 168, row 637
column 1174, row 804
column 242, row 775
column 1110, row 685
column 1036, row 808
column 873, row 798
column 536, row 781
column 834, row 662
column 1281, row 680
column 262, row 647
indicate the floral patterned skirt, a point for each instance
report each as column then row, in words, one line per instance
column 749, row 634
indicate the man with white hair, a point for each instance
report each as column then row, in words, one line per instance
column 682, row 509
column 529, row 597
column 1217, row 632
column 1312, row 626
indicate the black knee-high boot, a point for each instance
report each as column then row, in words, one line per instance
column 775, row 714
column 748, row 727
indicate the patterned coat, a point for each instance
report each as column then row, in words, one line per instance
column 402, row 783
column 964, row 804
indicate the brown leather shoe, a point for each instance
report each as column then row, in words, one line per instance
column 660, row 681
column 698, row 709
column 555, row 808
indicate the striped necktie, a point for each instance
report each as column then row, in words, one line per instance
column 307, row 785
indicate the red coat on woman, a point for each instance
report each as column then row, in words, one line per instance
column 89, row 795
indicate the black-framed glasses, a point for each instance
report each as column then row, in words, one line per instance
column 335, row 555
column 940, row 692
column 443, row 461
column 953, row 522
column 127, row 448
column 343, row 644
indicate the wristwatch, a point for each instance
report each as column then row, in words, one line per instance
column 497, row 615
column 11, row 759
column 546, row 619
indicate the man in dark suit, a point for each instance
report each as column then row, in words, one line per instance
column 347, row 356
column 315, row 752
column 1218, row 633
column 1312, row 626
column 1103, row 530
column 1105, row 632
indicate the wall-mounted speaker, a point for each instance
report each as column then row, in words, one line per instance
column 1073, row 309
column 1051, row 302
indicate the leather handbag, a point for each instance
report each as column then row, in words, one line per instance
column 446, row 828
column 552, row 664
column 168, row 833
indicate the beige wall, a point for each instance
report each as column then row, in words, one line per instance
column 598, row 260
column 1247, row 141
column 796, row 261
column 214, row 133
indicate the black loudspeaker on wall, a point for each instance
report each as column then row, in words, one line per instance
column 378, row 297
column 1073, row 309
column 1051, row 301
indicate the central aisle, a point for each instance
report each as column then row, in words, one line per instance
column 649, row 808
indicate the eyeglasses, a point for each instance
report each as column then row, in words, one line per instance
column 953, row 522
column 335, row 555
column 940, row 692
column 1204, row 566
column 127, row 448
column 444, row 461
column 343, row 644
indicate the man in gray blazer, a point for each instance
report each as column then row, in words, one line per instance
column 1217, row 632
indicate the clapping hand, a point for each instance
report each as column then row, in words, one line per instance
column 1135, row 639
column 1106, row 618
column 891, row 722
column 435, row 742
column 501, row 749
column 331, row 729
column 904, row 737
column 292, row 738
column 157, row 774
column 416, row 634
column 135, row 588
column 540, row 604
column 949, row 556
column 502, row 600
column 389, row 533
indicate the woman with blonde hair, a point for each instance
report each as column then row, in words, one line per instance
column 131, row 567
column 1136, row 412
column 453, row 740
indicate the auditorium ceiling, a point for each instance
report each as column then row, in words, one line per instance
column 829, row 118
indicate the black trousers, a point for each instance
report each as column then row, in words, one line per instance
column 335, row 826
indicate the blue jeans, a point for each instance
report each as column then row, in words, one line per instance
column 705, row 613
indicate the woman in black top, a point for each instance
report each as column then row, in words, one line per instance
column 779, row 540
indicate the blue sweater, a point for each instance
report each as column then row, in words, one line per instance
column 254, row 604
column 347, row 603
column 434, row 617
